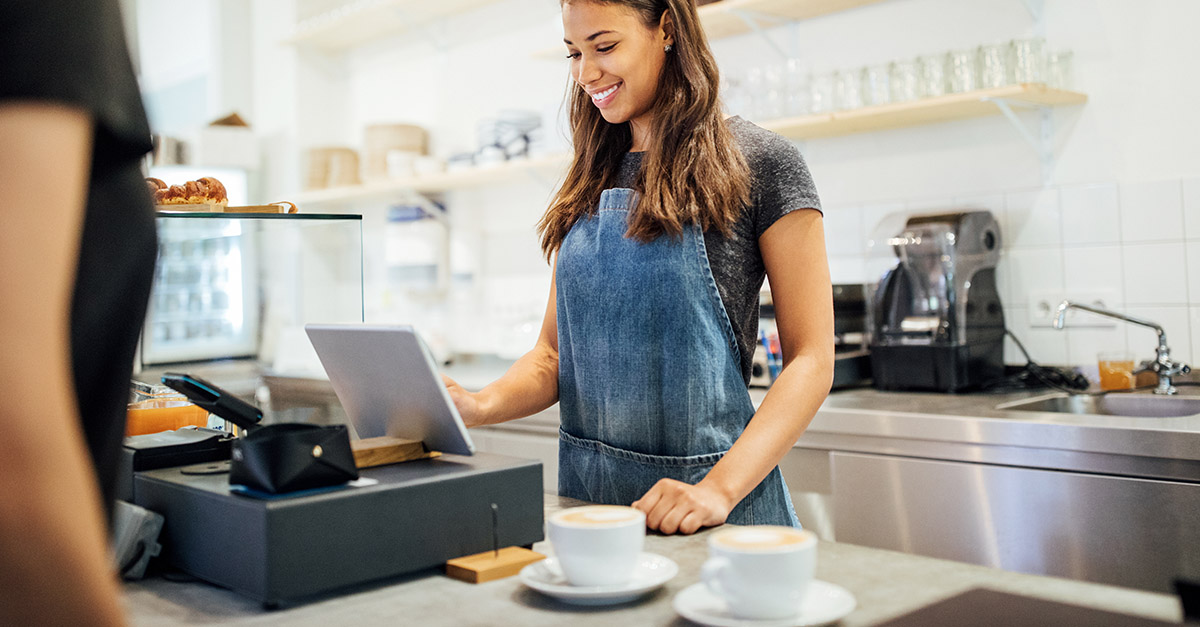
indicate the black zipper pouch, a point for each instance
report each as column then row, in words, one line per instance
column 282, row 458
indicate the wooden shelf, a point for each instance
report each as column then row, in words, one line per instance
column 550, row 166
column 866, row 119
column 924, row 111
column 363, row 21
column 722, row 19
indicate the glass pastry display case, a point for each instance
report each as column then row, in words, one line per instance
column 231, row 285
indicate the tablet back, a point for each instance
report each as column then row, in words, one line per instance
column 388, row 384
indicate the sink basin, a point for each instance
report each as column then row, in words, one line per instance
column 1133, row 405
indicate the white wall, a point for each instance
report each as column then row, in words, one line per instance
column 1121, row 215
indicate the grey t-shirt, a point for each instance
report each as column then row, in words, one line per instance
column 779, row 184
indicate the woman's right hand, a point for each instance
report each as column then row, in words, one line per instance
column 466, row 402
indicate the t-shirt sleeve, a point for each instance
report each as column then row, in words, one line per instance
column 73, row 52
column 781, row 182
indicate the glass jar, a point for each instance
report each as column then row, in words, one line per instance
column 1028, row 60
column 848, row 90
column 903, row 79
column 875, row 85
column 961, row 68
column 820, row 93
column 993, row 66
column 1058, row 69
column 932, row 71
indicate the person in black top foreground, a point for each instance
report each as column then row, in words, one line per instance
column 77, row 253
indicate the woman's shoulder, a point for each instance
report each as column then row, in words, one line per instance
column 765, row 150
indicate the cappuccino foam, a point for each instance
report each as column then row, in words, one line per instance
column 759, row 539
column 597, row 516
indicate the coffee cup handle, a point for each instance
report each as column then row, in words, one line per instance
column 710, row 574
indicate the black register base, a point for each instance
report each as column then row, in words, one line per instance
column 418, row 515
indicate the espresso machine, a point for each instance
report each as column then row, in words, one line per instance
column 935, row 319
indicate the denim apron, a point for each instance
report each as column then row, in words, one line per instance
column 649, row 373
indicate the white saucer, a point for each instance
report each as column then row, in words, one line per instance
column 651, row 572
column 823, row 604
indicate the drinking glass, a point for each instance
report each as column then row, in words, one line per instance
column 1058, row 69
column 993, row 70
column 797, row 97
column 820, row 93
column 903, row 79
column 961, row 66
column 875, row 85
column 756, row 83
column 773, row 92
column 848, row 90
column 1028, row 60
column 932, row 71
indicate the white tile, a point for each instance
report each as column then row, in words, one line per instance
column 1192, row 250
column 847, row 269
column 1046, row 346
column 1191, row 208
column 1155, row 274
column 1094, row 269
column 1004, row 279
column 1083, row 344
column 1033, row 270
column 1152, row 212
column 1174, row 321
column 1090, row 214
column 1032, row 219
column 990, row 202
column 843, row 231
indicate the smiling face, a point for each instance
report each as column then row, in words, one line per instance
column 616, row 59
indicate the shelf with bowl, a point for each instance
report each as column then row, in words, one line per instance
column 548, row 167
column 361, row 21
column 979, row 103
column 727, row 18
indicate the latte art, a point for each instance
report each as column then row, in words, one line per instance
column 760, row 538
column 597, row 516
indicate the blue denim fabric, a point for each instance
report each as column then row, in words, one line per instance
column 649, row 381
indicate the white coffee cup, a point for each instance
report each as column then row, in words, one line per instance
column 597, row 545
column 762, row 571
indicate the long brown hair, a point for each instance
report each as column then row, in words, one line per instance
column 692, row 170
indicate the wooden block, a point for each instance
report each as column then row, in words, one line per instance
column 385, row 450
column 489, row 566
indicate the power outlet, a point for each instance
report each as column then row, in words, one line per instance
column 1043, row 307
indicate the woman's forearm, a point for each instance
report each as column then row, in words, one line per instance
column 529, row 386
column 785, row 413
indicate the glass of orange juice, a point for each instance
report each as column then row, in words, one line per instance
column 163, row 414
column 1116, row 370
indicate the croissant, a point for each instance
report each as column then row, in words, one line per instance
column 202, row 191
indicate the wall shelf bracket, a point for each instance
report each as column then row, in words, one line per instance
column 1042, row 141
column 755, row 20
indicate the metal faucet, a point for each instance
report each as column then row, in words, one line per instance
column 1162, row 364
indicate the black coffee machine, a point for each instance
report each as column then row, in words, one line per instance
column 935, row 318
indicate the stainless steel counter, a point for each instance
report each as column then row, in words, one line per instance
column 886, row 584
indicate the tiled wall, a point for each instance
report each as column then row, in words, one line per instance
column 1136, row 245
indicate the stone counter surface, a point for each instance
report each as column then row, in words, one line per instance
column 886, row 584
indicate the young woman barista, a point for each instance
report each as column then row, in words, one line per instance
column 661, row 234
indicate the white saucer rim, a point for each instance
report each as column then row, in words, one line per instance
column 628, row 590
column 799, row 620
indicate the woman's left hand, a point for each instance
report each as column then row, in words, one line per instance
column 675, row 507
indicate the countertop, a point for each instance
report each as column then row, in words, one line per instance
column 885, row 583
column 921, row 423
